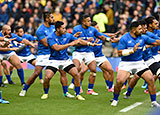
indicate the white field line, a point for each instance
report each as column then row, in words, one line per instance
column 134, row 105
column 130, row 107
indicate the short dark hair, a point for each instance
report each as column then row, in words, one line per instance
column 142, row 22
column 134, row 25
column 58, row 24
column 17, row 28
column 46, row 15
column 94, row 23
column 84, row 17
column 149, row 20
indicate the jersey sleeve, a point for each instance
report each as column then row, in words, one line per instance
column 32, row 38
column 72, row 38
column 97, row 33
column 74, row 31
column 51, row 40
column 122, row 44
column 18, row 39
column 40, row 34
column 149, row 40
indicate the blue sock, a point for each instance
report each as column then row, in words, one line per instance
column 21, row 74
column 116, row 96
column 90, row 86
column 11, row 73
column 125, row 83
column 77, row 90
column 153, row 97
column 0, row 95
column 80, row 84
column 147, row 87
column 129, row 91
column 40, row 76
column 8, row 78
column 145, row 82
column 107, row 82
column 1, row 79
column 46, row 90
column 72, row 80
column 110, row 84
column 26, row 87
column 65, row 89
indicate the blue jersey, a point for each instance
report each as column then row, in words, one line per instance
column 128, row 42
column 157, row 33
column 85, row 35
column 153, row 49
column 18, row 39
column 26, row 51
column 41, row 33
column 98, row 49
column 60, row 40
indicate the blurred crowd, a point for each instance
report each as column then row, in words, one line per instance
column 111, row 15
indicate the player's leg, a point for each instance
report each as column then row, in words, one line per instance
column 7, row 72
column 64, row 82
column 131, row 85
column 15, row 61
column 31, row 80
column 122, row 76
column 107, row 67
column 148, row 77
column 33, row 62
column 72, row 70
column 49, row 73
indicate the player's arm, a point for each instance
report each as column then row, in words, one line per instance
column 26, row 42
column 44, row 41
column 86, row 43
column 7, row 49
column 62, row 47
column 126, row 52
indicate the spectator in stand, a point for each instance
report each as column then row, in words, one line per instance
column 57, row 15
column 110, row 16
column 4, row 16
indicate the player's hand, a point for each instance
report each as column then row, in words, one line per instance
column 77, row 34
column 32, row 44
column 95, row 44
column 136, row 47
column 114, row 40
column 14, row 49
column 90, row 39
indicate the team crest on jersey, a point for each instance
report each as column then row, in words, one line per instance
column 130, row 41
column 64, row 39
column 140, row 41
column 90, row 32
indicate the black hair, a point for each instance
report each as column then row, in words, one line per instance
column 94, row 23
column 46, row 15
column 134, row 25
column 17, row 28
column 84, row 17
column 58, row 24
column 149, row 20
column 142, row 22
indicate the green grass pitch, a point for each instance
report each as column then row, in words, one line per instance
column 56, row 104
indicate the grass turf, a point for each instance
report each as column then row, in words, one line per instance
column 56, row 104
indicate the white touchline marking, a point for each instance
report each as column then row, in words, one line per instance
column 135, row 105
column 130, row 107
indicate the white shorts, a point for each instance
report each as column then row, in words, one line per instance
column 26, row 58
column 60, row 64
column 157, row 57
column 150, row 61
column 7, row 56
column 87, row 57
column 135, row 66
column 42, row 60
column 100, row 60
